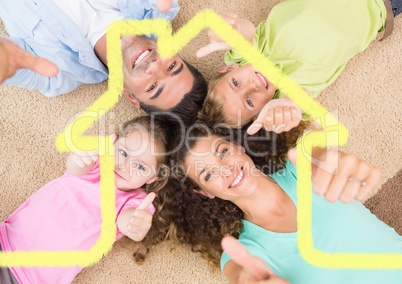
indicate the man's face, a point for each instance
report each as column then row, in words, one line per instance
column 152, row 80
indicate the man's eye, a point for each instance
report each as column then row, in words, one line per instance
column 207, row 176
column 172, row 66
column 235, row 83
column 152, row 87
column 249, row 102
column 123, row 153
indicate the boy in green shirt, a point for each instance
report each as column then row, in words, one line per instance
column 310, row 41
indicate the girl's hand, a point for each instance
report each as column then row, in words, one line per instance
column 245, row 268
column 243, row 26
column 341, row 176
column 12, row 57
column 163, row 5
column 79, row 163
column 140, row 220
column 277, row 115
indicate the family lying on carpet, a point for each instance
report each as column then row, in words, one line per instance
column 221, row 185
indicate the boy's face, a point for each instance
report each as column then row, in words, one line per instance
column 135, row 162
column 244, row 92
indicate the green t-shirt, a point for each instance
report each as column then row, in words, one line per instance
column 337, row 227
column 312, row 40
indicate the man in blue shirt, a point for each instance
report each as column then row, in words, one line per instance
column 45, row 29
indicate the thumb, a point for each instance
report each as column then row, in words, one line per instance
column 163, row 5
column 292, row 155
column 212, row 47
column 147, row 201
column 254, row 127
column 37, row 64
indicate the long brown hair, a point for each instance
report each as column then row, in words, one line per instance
column 202, row 222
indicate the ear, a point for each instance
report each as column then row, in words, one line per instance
column 131, row 99
column 206, row 194
column 225, row 69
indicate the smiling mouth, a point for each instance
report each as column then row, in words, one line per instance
column 139, row 56
column 262, row 79
column 238, row 179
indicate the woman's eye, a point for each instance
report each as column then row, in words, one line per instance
column 123, row 153
column 235, row 83
column 152, row 87
column 224, row 152
column 207, row 176
column 249, row 102
column 172, row 66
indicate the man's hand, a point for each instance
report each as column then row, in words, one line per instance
column 277, row 115
column 12, row 57
column 249, row 269
column 141, row 220
column 340, row 176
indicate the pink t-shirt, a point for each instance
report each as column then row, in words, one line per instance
column 63, row 215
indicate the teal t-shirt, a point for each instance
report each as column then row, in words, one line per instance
column 337, row 227
column 312, row 40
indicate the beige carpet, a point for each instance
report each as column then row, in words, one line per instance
column 366, row 98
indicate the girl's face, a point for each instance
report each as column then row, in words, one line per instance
column 244, row 91
column 135, row 160
column 221, row 169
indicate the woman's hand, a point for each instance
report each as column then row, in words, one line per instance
column 341, row 176
column 245, row 268
column 12, row 57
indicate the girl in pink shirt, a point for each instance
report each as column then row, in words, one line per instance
column 65, row 213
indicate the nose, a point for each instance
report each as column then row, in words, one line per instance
column 156, row 67
column 227, row 171
column 249, row 87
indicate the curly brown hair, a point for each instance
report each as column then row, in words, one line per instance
column 202, row 222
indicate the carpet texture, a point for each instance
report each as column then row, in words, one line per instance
column 366, row 98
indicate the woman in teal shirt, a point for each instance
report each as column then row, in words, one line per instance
column 225, row 194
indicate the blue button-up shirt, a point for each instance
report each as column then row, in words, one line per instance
column 41, row 28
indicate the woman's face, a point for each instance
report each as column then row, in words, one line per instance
column 221, row 169
column 244, row 91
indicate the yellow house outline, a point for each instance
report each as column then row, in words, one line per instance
column 72, row 139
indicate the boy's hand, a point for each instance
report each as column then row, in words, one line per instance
column 215, row 42
column 12, row 57
column 141, row 220
column 277, row 115
column 252, row 269
column 84, row 159
column 340, row 176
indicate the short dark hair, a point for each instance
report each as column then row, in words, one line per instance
column 190, row 104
